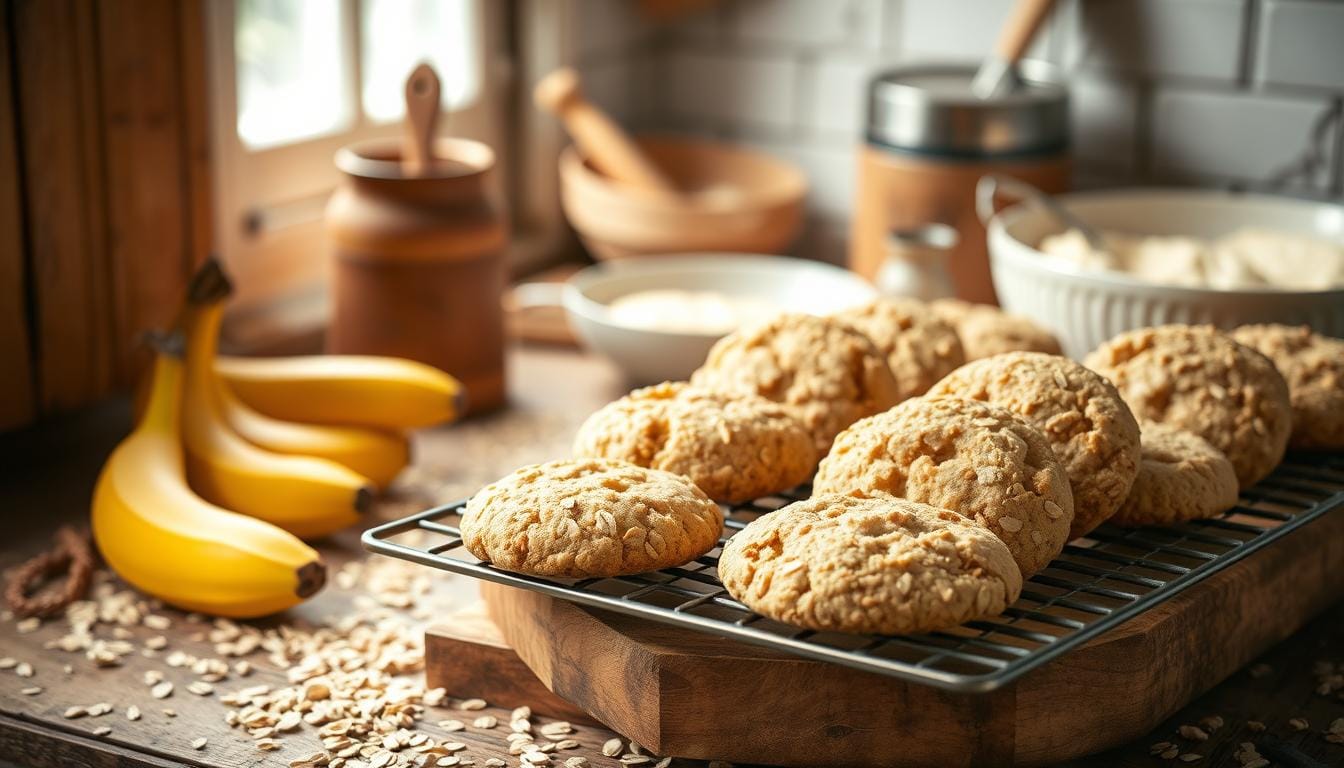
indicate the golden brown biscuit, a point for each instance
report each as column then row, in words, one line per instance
column 978, row 460
column 1313, row 366
column 825, row 372
column 1199, row 379
column 876, row 565
column 986, row 331
column 1181, row 477
column 920, row 348
column 1089, row 427
column 734, row 448
column 590, row 517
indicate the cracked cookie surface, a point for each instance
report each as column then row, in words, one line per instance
column 1181, row 477
column 876, row 565
column 986, row 331
column 1313, row 366
column 590, row 517
column 1090, row 428
column 920, row 348
column 735, row 448
column 978, row 460
column 1199, row 379
column 825, row 372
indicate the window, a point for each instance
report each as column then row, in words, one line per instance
column 294, row 80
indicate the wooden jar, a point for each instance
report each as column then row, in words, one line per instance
column 929, row 140
column 419, row 263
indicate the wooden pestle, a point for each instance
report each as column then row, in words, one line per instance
column 600, row 139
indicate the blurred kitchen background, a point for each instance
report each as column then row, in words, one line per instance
column 135, row 142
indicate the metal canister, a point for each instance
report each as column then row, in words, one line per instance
column 929, row 139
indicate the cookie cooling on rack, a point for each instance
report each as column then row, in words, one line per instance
column 875, row 565
column 1181, row 477
column 590, row 518
column 976, row 459
column 823, row 371
column 735, row 448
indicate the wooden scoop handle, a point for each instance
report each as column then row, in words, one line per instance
column 1020, row 28
column 422, row 114
column 600, row 139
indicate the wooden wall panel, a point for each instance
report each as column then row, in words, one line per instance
column 144, row 146
column 56, row 56
column 16, row 372
column 104, row 191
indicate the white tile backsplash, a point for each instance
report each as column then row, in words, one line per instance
column 730, row 89
column 842, row 23
column 957, row 29
column 1157, row 38
column 1301, row 43
column 1185, row 91
column 1236, row 135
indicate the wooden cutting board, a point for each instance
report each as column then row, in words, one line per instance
column 694, row 695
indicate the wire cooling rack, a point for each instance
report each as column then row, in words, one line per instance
column 1095, row 584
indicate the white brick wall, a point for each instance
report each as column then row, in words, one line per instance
column 1213, row 92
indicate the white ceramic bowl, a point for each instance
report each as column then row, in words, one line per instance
column 649, row 356
column 1085, row 308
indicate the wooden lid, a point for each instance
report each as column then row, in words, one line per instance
column 382, row 159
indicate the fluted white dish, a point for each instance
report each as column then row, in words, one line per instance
column 1086, row 307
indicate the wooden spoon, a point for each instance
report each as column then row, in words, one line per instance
column 601, row 140
column 422, row 115
column 996, row 76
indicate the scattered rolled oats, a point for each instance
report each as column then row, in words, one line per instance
column 8, row 662
column 577, row 762
column 102, row 730
column 452, row 725
column 73, row 712
column 1299, row 724
column 132, row 713
column 1211, row 723
column 1190, row 757
column 200, row 688
column 270, row 745
column 161, row 690
column 30, row 624
column 31, row 690
column 613, row 747
column 199, row 743
column 1192, row 733
column 23, row 669
column 1255, row 726
column 468, row 705
column 486, row 721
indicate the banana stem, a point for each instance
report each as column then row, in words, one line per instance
column 209, row 285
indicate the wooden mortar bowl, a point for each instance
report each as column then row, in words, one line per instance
column 733, row 199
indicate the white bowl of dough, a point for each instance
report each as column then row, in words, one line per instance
column 657, row 318
column 1258, row 259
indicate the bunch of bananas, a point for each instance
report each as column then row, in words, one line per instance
column 234, row 460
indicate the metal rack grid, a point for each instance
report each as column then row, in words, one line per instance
column 1095, row 584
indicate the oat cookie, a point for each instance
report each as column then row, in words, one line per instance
column 1090, row 428
column 876, row 565
column 1313, row 365
column 734, row 448
column 979, row 460
column 986, row 331
column 1196, row 378
column 825, row 372
column 590, row 517
column 1181, row 477
column 920, row 348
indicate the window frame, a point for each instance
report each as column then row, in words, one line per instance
column 269, row 202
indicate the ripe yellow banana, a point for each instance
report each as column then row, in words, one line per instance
column 172, row 544
column 354, row 390
column 305, row 495
column 376, row 454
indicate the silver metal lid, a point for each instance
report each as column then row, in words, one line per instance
column 929, row 108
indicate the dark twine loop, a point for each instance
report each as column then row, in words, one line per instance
column 71, row 557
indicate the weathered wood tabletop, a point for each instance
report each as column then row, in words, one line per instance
column 46, row 475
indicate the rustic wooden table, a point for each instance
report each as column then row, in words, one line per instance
column 46, row 475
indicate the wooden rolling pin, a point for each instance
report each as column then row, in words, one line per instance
column 607, row 147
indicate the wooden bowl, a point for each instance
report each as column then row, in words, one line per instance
column 734, row 199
